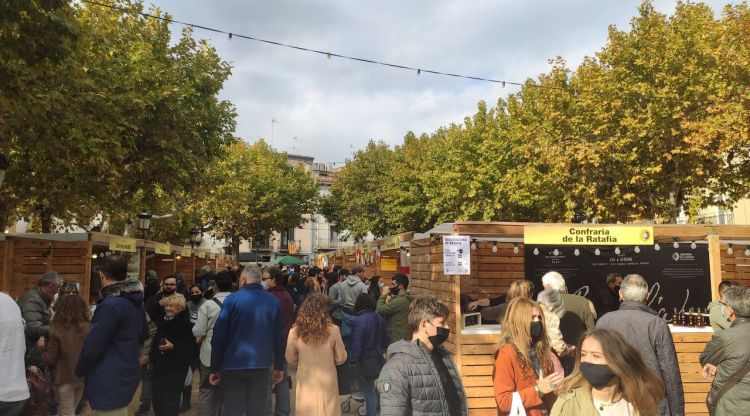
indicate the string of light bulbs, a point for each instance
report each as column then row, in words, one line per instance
column 329, row 55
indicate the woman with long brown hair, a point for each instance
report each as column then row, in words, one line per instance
column 525, row 363
column 316, row 347
column 609, row 379
column 68, row 331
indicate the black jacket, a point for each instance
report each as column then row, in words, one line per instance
column 179, row 332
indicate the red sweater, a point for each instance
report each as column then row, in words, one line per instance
column 287, row 307
column 509, row 377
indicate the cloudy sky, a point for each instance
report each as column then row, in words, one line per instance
column 335, row 106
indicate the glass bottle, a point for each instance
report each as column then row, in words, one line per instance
column 675, row 317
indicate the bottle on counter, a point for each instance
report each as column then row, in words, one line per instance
column 691, row 317
column 675, row 317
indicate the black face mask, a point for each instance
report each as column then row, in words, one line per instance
column 598, row 375
column 196, row 298
column 168, row 292
column 394, row 291
column 439, row 337
column 536, row 331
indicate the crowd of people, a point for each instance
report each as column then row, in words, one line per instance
column 252, row 333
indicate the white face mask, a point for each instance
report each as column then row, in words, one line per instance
column 381, row 285
column 264, row 285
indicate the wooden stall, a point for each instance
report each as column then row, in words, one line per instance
column 381, row 257
column 497, row 258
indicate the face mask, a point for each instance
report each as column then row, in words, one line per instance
column 264, row 285
column 440, row 336
column 381, row 285
column 536, row 331
column 168, row 292
column 196, row 298
column 598, row 375
column 394, row 291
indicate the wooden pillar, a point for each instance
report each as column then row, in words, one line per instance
column 142, row 270
column 8, row 265
column 86, row 284
column 714, row 261
column 457, row 311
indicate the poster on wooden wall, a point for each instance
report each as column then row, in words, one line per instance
column 388, row 265
column 456, row 255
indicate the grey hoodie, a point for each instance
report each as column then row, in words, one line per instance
column 409, row 383
column 349, row 290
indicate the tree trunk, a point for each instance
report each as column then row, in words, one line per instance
column 45, row 216
column 236, row 246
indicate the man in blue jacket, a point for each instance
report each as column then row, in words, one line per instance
column 110, row 356
column 248, row 341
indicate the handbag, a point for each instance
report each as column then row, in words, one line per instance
column 371, row 364
column 731, row 382
column 349, row 378
column 516, row 405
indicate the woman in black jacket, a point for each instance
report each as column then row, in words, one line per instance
column 171, row 350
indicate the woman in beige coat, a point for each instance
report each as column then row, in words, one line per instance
column 315, row 346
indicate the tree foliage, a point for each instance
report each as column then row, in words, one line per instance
column 252, row 191
column 655, row 123
column 116, row 122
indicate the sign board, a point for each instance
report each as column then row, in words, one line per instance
column 162, row 249
column 122, row 244
column 678, row 277
column 134, row 267
column 388, row 265
column 391, row 243
column 589, row 235
column 185, row 252
column 456, row 255
column 200, row 254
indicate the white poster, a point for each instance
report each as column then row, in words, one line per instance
column 456, row 254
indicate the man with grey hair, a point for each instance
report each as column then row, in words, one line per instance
column 728, row 352
column 247, row 347
column 578, row 318
column 650, row 335
column 35, row 305
column 420, row 376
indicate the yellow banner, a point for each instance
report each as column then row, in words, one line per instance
column 122, row 244
column 388, row 265
column 162, row 249
column 391, row 243
column 185, row 252
column 201, row 254
column 587, row 235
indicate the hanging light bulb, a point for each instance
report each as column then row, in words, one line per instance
column 515, row 249
column 730, row 250
column 556, row 252
column 676, row 244
column 637, row 249
column 597, row 252
column 93, row 256
column 693, row 245
column 536, row 251
column 657, row 247
column 576, row 252
column 617, row 250
column 494, row 246
column 473, row 244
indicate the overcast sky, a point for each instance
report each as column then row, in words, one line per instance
column 335, row 106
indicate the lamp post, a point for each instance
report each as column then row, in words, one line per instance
column 195, row 237
column 4, row 164
column 144, row 223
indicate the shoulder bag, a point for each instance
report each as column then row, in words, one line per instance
column 731, row 382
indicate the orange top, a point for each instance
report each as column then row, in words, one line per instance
column 508, row 378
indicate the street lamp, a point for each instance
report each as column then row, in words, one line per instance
column 4, row 164
column 195, row 237
column 144, row 222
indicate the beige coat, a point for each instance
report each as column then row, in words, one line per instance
column 317, row 390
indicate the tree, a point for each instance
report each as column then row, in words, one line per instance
column 253, row 191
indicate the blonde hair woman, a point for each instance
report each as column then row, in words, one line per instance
column 171, row 350
column 525, row 363
column 610, row 378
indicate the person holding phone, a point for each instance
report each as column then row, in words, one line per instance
column 171, row 355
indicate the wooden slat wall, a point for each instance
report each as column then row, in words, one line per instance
column 689, row 348
column 735, row 266
column 186, row 265
column 163, row 265
column 30, row 258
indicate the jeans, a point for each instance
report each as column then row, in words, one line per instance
column 166, row 389
column 68, row 396
column 371, row 397
column 11, row 408
column 246, row 392
column 281, row 390
column 209, row 397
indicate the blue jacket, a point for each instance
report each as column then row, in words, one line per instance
column 368, row 333
column 249, row 332
column 109, row 358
